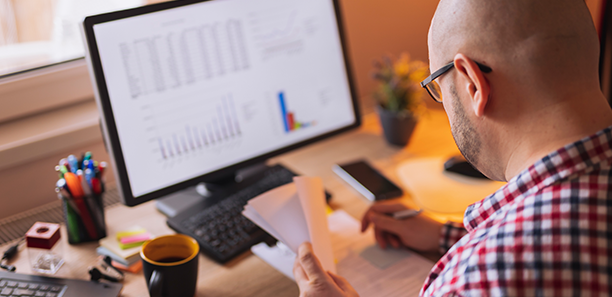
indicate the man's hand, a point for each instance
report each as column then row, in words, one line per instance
column 420, row 233
column 314, row 281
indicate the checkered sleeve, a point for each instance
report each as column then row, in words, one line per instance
column 451, row 233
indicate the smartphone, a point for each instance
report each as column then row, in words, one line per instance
column 367, row 181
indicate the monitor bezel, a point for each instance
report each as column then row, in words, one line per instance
column 109, row 128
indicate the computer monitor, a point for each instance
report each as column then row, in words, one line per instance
column 191, row 91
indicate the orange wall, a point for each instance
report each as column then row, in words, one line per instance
column 376, row 28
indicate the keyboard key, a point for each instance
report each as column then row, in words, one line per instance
column 23, row 292
column 39, row 294
column 11, row 284
column 216, row 243
column 6, row 292
column 2, row 284
column 51, row 295
column 33, row 286
column 23, row 285
column 55, row 289
column 44, row 288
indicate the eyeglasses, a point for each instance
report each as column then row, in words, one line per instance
column 433, row 88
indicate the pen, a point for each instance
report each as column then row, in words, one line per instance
column 63, row 186
column 81, row 160
column 74, row 184
column 74, row 163
column 84, row 185
column 72, row 226
column 62, row 169
column 89, row 174
column 95, row 186
column 101, row 168
column 407, row 213
column 64, row 162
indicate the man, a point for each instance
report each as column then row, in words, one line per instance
column 523, row 99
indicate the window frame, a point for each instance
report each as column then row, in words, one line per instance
column 43, row 89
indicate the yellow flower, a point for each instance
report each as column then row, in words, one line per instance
column 399, row 80
column 418, row 71
column 402, row 65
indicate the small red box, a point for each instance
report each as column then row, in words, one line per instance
column 43, row 235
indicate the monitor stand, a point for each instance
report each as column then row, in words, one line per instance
column 177, row 202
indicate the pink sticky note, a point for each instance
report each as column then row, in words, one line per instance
column 135, row 238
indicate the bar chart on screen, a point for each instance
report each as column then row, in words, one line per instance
column 210, row 126
column 290, row 120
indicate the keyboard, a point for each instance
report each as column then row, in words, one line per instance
column 16, row 284
column 221, row 229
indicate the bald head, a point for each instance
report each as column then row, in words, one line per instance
column 534, row 43
column 543, row 91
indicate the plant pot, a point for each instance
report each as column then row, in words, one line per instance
column 397, row 127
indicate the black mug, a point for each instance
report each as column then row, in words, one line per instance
column 170, row 265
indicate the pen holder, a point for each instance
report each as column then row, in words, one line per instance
column 80, row 187
column 84, row 218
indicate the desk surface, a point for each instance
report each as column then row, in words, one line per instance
column 248, row 275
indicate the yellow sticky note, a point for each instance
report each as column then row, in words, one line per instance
column 132, row 232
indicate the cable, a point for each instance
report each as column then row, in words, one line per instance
column 8, row 255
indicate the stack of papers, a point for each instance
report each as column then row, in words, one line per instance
column 354, row 255
column 293, row 214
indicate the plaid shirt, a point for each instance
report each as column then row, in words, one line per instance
column 548, row 232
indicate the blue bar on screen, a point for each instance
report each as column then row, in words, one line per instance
column 281, row 99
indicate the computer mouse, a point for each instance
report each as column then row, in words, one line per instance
column 459, row 165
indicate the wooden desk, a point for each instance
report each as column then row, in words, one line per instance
column 248, row 275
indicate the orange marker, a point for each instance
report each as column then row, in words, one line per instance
column 74, row 186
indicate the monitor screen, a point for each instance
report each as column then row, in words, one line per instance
column 191, row 88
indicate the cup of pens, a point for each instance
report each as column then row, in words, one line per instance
column 80, row 188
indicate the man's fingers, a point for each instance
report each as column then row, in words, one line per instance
column 340, row 281
column 365, row 221
column 378, row 234
column 309, row 262
column 299, row 274
column 385, row 208
column 387, row 223
column 392, row 239
column 388, row 207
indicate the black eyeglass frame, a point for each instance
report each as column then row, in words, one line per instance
column 444, row 69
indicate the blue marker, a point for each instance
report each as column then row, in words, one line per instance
column 74, row 163
column 89, row 174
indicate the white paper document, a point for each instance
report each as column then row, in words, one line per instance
column 370, row 270
column 293, row 214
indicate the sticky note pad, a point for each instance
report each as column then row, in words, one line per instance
column 135, row 238
column 130, row 245
column 130, row 232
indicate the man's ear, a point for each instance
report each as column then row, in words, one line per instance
column 472, row 78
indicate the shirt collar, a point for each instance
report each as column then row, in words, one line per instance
column 573, row 159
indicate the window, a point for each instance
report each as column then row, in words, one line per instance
column 41, row 53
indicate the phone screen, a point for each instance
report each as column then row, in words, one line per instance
column 363, row 177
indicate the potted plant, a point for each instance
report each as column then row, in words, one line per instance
column 399, row 96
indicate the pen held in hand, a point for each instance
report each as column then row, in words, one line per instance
column 407, row 213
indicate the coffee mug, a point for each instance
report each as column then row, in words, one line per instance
column 170, row 265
